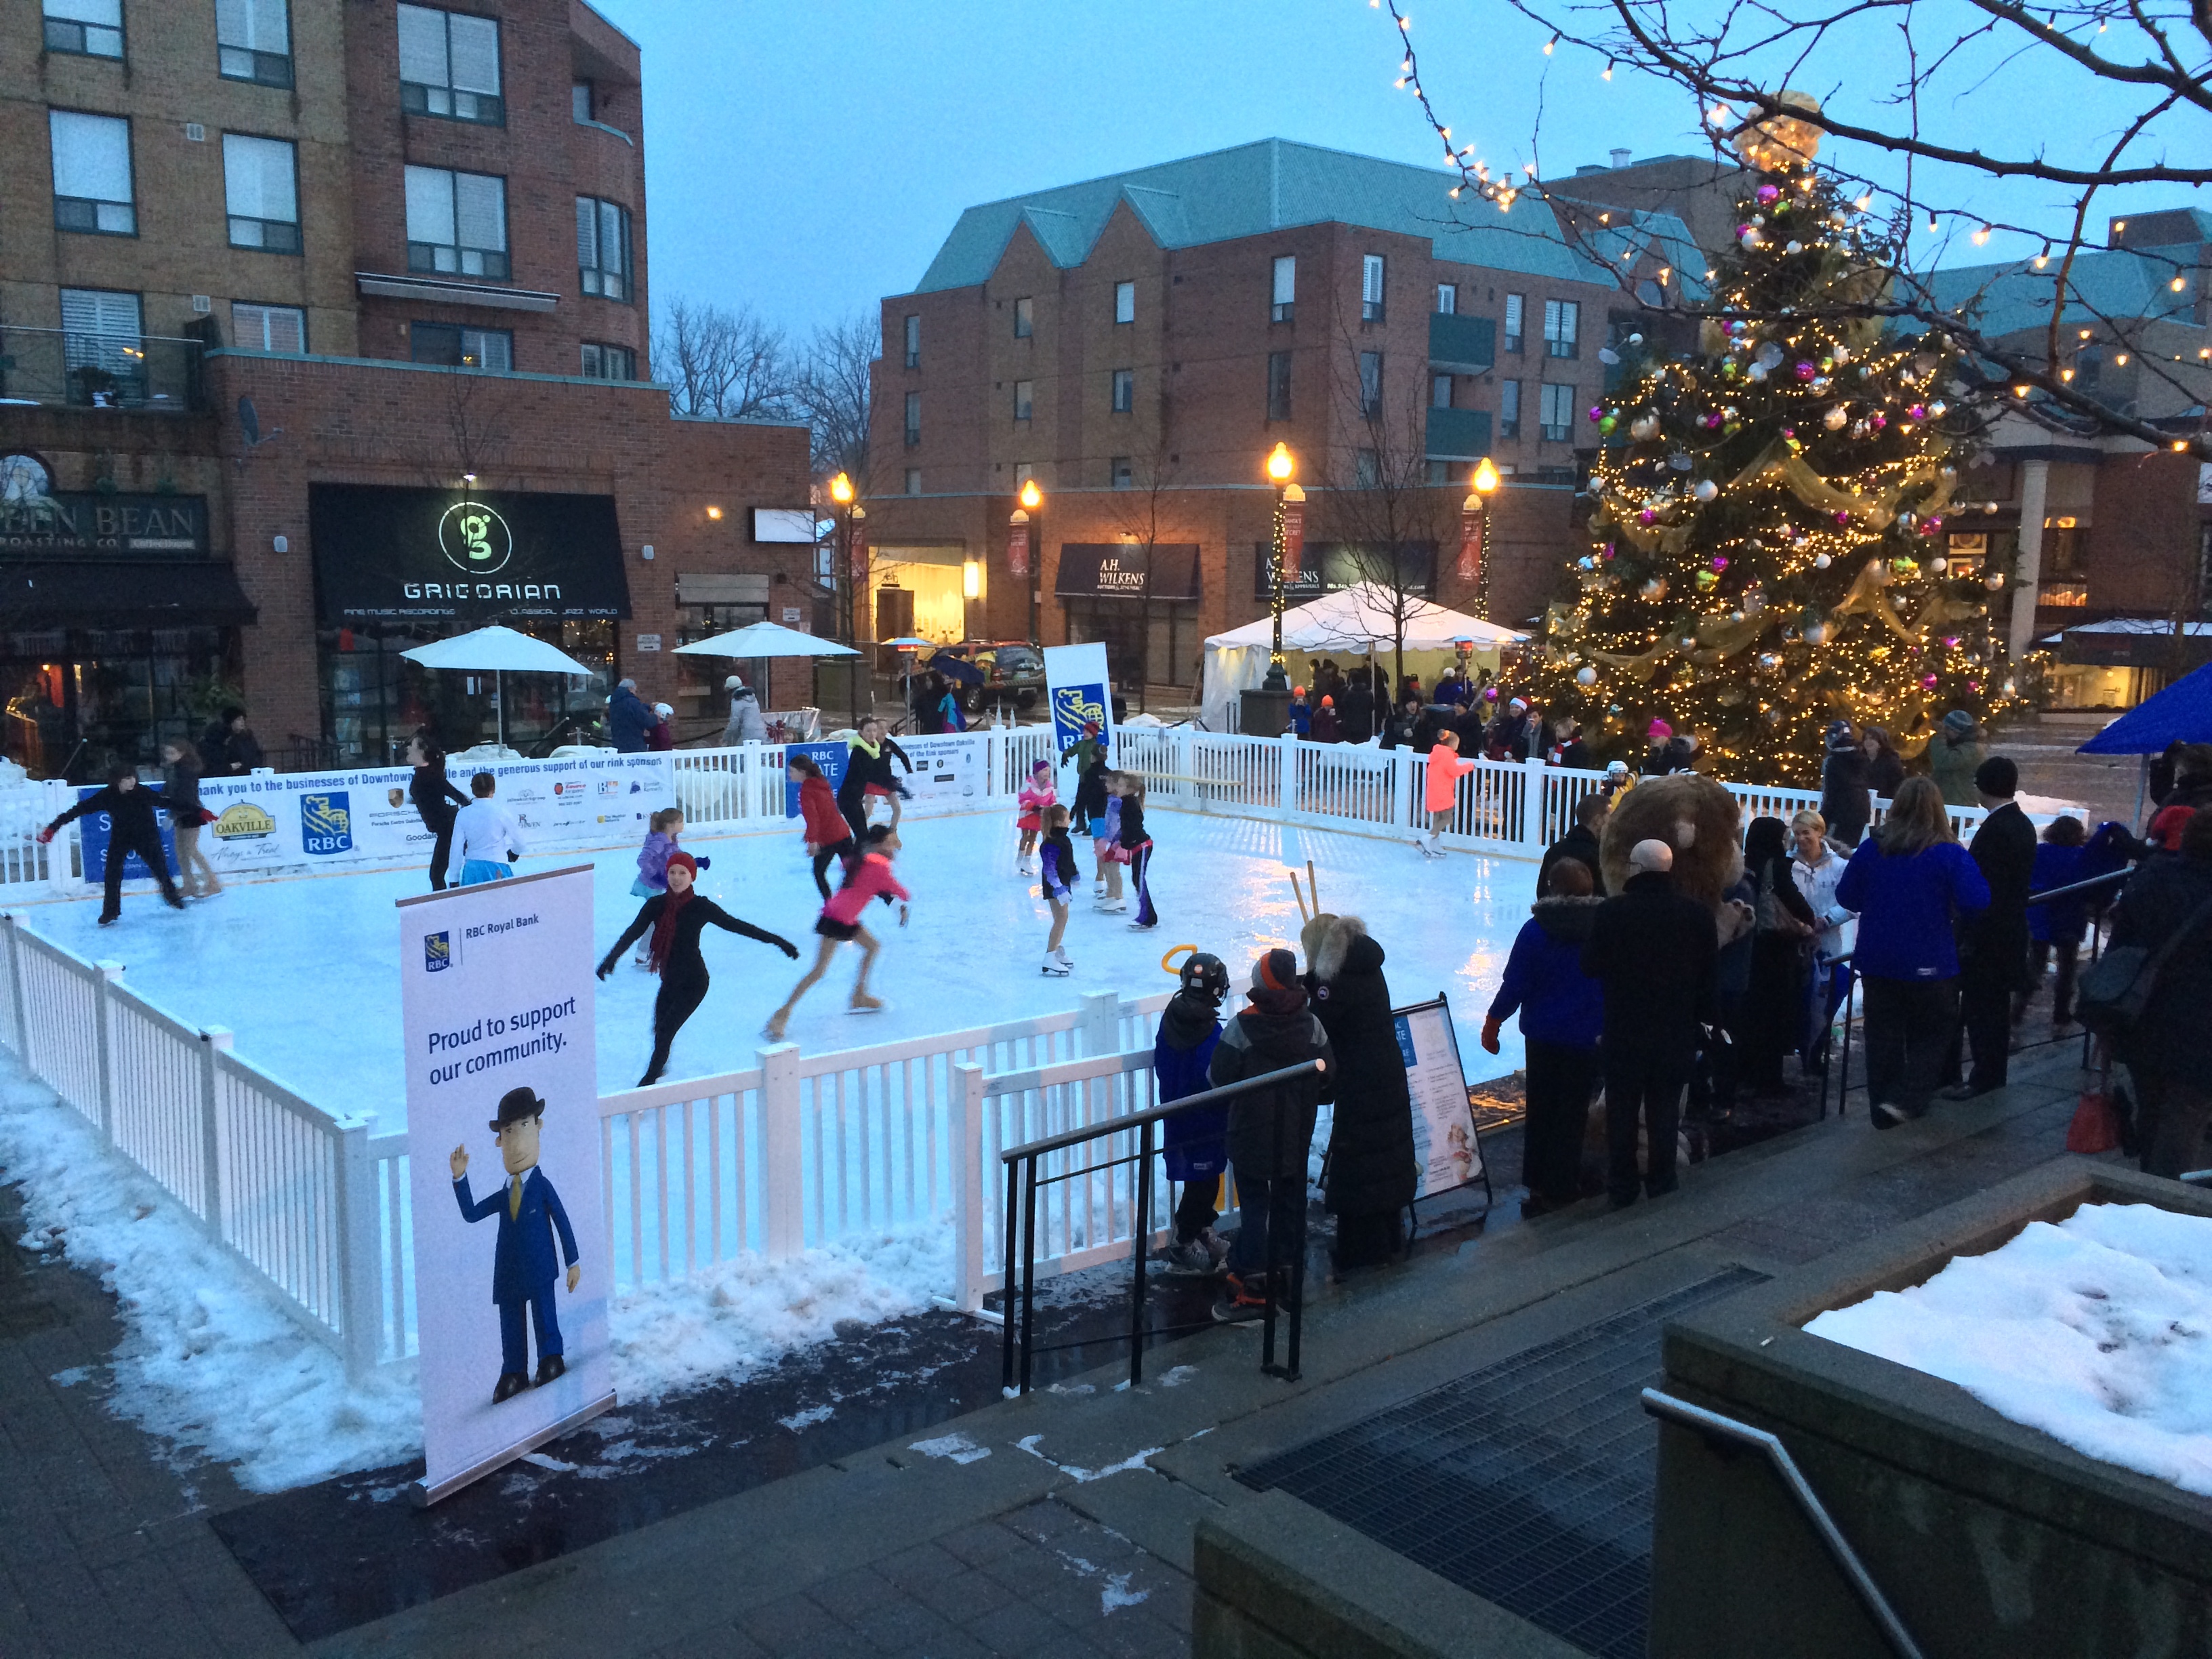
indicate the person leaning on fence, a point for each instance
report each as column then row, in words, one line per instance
column 1562, row 1013
column 1193, row 1144
column 1270, row 1130
column 1440, row 790
column 2164, row 1047
column 1993, row 941
column 1846, row 786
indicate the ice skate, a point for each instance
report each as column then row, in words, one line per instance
column 1066, row 960
column 1142, row 927
column 1054, row 967
column 862, row 1003
column 773, row 1030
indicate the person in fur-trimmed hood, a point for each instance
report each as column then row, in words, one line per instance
column 1372, row 1169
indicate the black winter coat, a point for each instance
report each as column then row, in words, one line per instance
column 181, row 785
column 1371, row 1165
column 435, row 798
column 1581, row 845
column 130, row 813
column 1654, row 950
column 1252, row 1044
column 1993, row 942
column 862, row 770
column 1355, row 712
column 2169, row 1039
column 684, row 961
column 1845, row 792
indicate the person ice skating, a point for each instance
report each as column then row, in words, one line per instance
column 870, row 877
column 1133, row 847
column 180, row 782
column 829, row 836
column 1441, row 790
column 490, row 840
column 1089, row 754
column 664, row 830
column 670, row 922
column 1059, row 878
column 661, row 735
column 1106, row 855
column 745, row 723
column 1270, row 1130
column 1194, row 1145
column 523, row 1270
column 436, row 801
column 870, row 752
column 1038, row 794
column 132, row 828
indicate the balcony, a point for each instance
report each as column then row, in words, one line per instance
column 100, row 371
column 1461, row 345
column 1458, row 434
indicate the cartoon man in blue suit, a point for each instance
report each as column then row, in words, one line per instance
column 523, row 1270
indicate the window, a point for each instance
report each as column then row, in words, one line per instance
column 1022, row 396
column 1513, row 309
column 93, row 27
column 92, row 172
column 1370, row 383
column 462, row 347
column 253, row 41
column 1561, row 318
column 1448, row 299
column 1438, row 473
column 1371, row 288
column 580, row 100
column 609, row 362
column 261, row 193
column 1366, row 470
column 1119, row 471
column 1025, row 319
column 1125, row 302
column 1556, row 415
column 1278, row 386
column 1509, row 408
column 456, row 223
column 1440, row 392
column 268, row 328
column 449, row 65
column 1125, row 390
column 913, row 481
column 913, row 343
column 100, row 346
column 603, row 247
column 913, row 417
column 1286, row 288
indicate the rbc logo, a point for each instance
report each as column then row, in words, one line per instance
column 1072, row 706
column 437, row 953
column 326, row 824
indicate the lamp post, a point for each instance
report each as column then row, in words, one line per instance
column 1281, row 465
column 1024, row 527
column 852, row 556
column 1473, row 514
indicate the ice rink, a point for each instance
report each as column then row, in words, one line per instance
column 305, row 970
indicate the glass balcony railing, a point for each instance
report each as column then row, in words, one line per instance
column 98, row 371
column 1458, row 434
column 1464, row 345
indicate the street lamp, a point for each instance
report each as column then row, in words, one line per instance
column 852, row 553
column 1281, row 464
column 1026, row 547
column 1473, row 512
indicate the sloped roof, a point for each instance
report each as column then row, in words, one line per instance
column 1274, row 185
column 2005, row 299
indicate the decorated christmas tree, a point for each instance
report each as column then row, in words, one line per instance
column 1767, row 549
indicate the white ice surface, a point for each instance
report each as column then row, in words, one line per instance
column 305, row 970
column 2096, row 1330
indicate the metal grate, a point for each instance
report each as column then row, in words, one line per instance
column 1528, row 1482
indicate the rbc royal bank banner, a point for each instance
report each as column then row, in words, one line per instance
column 1080, row 690
column 510, row 1271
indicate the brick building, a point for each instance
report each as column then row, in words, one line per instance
column 1137, row 344
column 323, row 332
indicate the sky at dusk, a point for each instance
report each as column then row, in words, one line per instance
column 808, row 160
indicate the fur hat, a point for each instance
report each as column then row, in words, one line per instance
column 1694, row 815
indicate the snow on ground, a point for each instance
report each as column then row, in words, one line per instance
column 305, row 971
column 2096, row 1330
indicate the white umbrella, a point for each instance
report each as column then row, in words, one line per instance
column 766, row 639
column 497, row 650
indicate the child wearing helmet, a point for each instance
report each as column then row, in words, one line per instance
column 1194, row 1144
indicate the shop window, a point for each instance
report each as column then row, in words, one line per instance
column 456, row 223
column 449, row 66
column 92, row 172
column 253, row 41
column 77, row 698
column 261, row 193
column 92, row 28
column 457, row 347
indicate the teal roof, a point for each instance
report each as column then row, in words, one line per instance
column 2133, row 284
column 1274, row 185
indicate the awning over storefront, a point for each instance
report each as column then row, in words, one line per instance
column 2138, row 642
column 122, row 593
column 1127, row 570
column 386, row 554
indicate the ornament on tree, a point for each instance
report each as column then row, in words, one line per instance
column 1586, row 675
column 1704, row 489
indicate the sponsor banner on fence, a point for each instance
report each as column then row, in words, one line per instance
column 1077, row 685
column 829, row 756
column 1445, row 1142
column 95, row 830
column 511, row 1275
column 948, row 771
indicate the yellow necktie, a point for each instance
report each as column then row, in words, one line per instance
column 514, row 1199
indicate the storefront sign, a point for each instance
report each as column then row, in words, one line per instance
column 81, row 523
column 1127, row 570
column 1338, row 565
column 407, row 554
column 95, row 833
column 649, row 642
column 1444, row 1145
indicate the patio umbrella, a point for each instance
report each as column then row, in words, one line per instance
column 498, row 652
column 766, row 639
column 909, row 642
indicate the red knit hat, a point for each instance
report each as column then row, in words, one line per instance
column 690, row 865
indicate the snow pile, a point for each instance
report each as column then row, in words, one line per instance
column 2096, row 1330
column 208, row 1361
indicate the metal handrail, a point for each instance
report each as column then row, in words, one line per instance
column 1711, row 1424
column 1022, row 1184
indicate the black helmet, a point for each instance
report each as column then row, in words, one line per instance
column 1207, row 975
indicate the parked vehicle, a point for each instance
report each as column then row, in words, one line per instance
column 1013, row 674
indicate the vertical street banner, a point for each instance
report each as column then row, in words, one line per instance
column 1294, row 539
column 1080, row 690
column 512, row 1277
column 1444, row 1144
column 1017, row 546
column 1470, row 541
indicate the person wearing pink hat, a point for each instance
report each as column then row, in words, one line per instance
column 1656, row 737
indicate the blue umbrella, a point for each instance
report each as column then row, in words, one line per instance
column 2180, row 714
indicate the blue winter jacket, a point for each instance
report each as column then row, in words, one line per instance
column 1905, row 907
column 628, row 721
column 2063, row 920
column 1544, row 977
column 1195, row 1143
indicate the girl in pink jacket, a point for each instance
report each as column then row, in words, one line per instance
column 1442, row 790
column 1040, row 793
column 869, row 876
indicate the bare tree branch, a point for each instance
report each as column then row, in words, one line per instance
column 724, row 364
column 832, row 388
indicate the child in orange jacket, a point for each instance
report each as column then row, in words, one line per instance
column 1442, row 790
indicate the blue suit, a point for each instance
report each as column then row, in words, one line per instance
column 524, row 1272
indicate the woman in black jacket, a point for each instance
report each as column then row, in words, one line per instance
column 2165, row 1049
column 132, row 828
column 1774, row 997
column 676, row 918
column 868, row 757
column 1372, row 1170
column 435, row 799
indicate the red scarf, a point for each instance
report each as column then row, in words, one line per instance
column 663, row 930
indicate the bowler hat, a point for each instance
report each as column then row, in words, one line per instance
column 515, row 1105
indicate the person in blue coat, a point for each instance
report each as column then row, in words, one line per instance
column 1195, row 1144
column 1562, row 1016
column 629, row 722
column 524, row 1271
